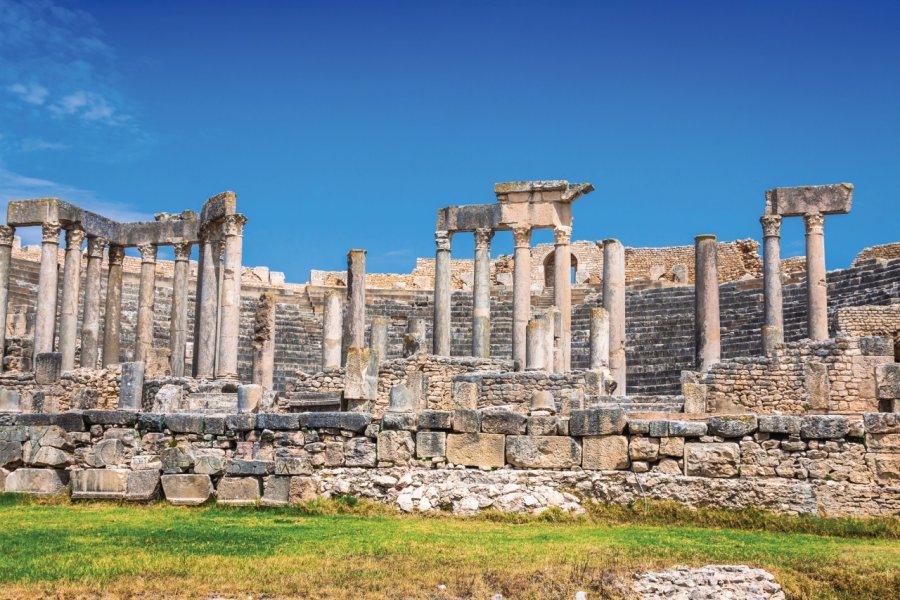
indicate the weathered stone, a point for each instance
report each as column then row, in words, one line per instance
column 730, row 426
column 37, row 482
column 643, row 449
column 249, row 397
column 466, row 420
column 276, row 491
column 399, row 421
column 886, row 467
column 395, row 447
column 712, row 460
column 131, row 388
column 465, row 395
column 143, row 486
column 47, row 367
column 671, row 446
column 542, row 425
column 542, row 452
column 236, row 466
column 887, row 381
column 238, row 490
column 185, row 423
column 214, row 424
column 146, row 462
column 435, row 419
column 431, row 444
column 209, row 464
column 293, row 465
column 401, row 399
column 10, row 453
column 176, row 459
column 503, row 421
column 816, row 386
column 103, row 484
column 360, row 452
column 779, row 424
column 476, row 449
column 642, row 426
column 69, row 420
column 597, row 421
column 543, row 400
column 883, row 442
column 668, row 466
column 168, row 398
column 244, row 422
column 334, row 454
column 361, row 375
column 882, row 422
column 10, row 401
column 823, row 427
column 605, row 452
column 187, row 489
column 303, row 489
column 797, row 201
column 110, row 453
column 47, row 456
column 694, row 397
column 122, row 418
column 278, row 421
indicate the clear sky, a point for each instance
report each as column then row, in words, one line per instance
column 348, row 124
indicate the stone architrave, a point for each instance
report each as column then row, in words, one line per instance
column 379, row 338
column 143, row 342
column 90, row 326
column 441, row 336
column 7, row 236
column 112, row 321
column 773, row 327
column 68, row 312
column 230, row 299
column 614, row 303
column 354, row 330
column 45, row 319
column 264, row 341
column 816, row 286
column 179, row 318
column 481, row 297
column 706, row 302
column 521, row 295
column 332, row 329
column 562, row 296
column 599, row 338
column 803, row 200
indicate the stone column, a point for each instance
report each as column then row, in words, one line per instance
column 521, row 294
column 332, row 330
column 706, row 301
column 817, row 288
column 68, row 311
column 264, row 341
column 536, row 340
column 599, row 339
column 45, row 320
column 481, row 297
column 179, row 313
column 112, row 322
column 614, row 303
column 7, row 236
column 205, row 340
column 90, row 322
column 355, row 323
column 143, row 337
column 230, row 324
column 441, row 339
column 773, row 327
column 562, row 296
column 379, row 338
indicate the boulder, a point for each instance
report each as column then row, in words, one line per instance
column 605, row 452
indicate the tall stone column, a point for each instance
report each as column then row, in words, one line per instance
column 230, row 324
column 112, row 322
column 179, row 314
column 355, row 323
column 143, row 337
column 68, row 312
column 614, row 303
column 599, row 339
column 536, row 340
column 90, row 322
column 7, row 236
column 562, row 296
column 521, row 294
column 378, row 340
column 205, row 340
column 45, row 320
column 817, row 288
column 706, row 301
column 481, row 297
column 441, row 341
column 773, row 326
column 264, row 341
column 332, row 330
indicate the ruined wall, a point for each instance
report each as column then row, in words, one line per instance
column 737, row 260
column 80, row 389
column 884, row 251
column 869, row 320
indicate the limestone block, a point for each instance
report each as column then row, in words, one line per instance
column 466, row 420
column 282, row 421
column 597, row 421
column 476, row 449
column 249, row 397
column 543, row 400
column 243, row 423
column 797, row 201
column 334, row 454
column 823, row 427
column 687, row 428
column 47, row 367
column 131, row 388
column 47, row 456
column 108, row 453
column 99, row 484
column 887, row 381
column 176, row 459
column 694, row 397
column 121, row 418
column 293, row 465
column 10, row 401
column 236, row 466
column 360, row 452
column 361, row 375
column 168, row 398
column 10, row 453
column 503, row 421
column 399, row 421
column 668, row 466
column 276, row 491
column 187, row 489
column 143, row 486
column 883, row 442
column 37, row 482
column 302, row 489
column 185, row 423
column 605, row 452
column 542, row 452
column 401, row 399
column 430, row 444
column 779, row 424
column 465, row 395
column 672, row 446
column 877, row 346
column 712, row 460
column 816, row 387
column 395, row 446
column 885, row 466
column 238, row 491
column 209, row 464
column 643, row 449
column 435, row 419
column 731, row 426
column 542, row 425
column 882, row 422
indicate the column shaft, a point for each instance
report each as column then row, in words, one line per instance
column 378, row 339
column 7, row 236
column 441, row 341
column 112, row 322
column 205, row 342
column 614, row 303
column 355, row 322
column 68, row 312
column 45, row 320
column 599, row 338
column 521, row 294
column 817, row 288
column 773, row 327
column 230, row 324
column 332, row 330
column 481, row 296
column 90, row 322
column 143, row 337
column 264, row 341
column 706, row 301
column 179, row 313
column 562, row 296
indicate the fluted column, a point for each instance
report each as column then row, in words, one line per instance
column 68, row 312
column 706, row 301
column 178, row 318
column 481, row 296
column 773, row 327
column 521, row 294
column 113, row 318
column 230, row 324
column 90, row 321
column 562, row 296
column 7, row 235
column 441, row 341
column 143, row 338
column 205, row 340
column 614, row 303
column 817, row 288
column 354, row 328
column 45, row 320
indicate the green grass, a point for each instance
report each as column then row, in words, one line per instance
column 350, row 548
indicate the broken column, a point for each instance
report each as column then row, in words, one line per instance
column 112, row 321
column 614, row 303
column 7, row 236
column 562, row 296
column 355, row 321
column 131, row 388
column 536, row 340
column 521, row 294
column 414, row 340
column 706, row 301
column 332, row 329
column 68, row 312
column 143, row 342
column 178, row 320
column 45, row 319
column 599, row 339
column 441, row 334
column 816, row 286
column 90, row 322
column 206, row 313
column 379, row 338
column 773, row 327
column 230, row 323
column 481, row 297
column 264, row 341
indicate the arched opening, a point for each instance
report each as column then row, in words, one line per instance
column 550, row 266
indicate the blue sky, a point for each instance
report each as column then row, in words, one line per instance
column 348, row 124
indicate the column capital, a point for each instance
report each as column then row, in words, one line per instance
column 182, row 251
column 148, row 253
column 74, row 238
column 233, row 225
column 95, row 247
column 7, row 235
column 483, row 237
column 521, row 237
column 116, row 255
column 771, row 225
column 815, row 223
column 50, row 233
column 562, row 235
column 442, row 240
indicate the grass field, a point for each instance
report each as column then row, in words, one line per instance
column 351, row 549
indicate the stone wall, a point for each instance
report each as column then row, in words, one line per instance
column 884, row 252
column 869, row 320
column 76, row 390
column 461, row 461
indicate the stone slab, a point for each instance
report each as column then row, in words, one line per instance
column 187, row 490
column 826, row 199
column 597, row 421
column 38, row 482
column 240, row 491
column 476, row 449
column 605, row 452
column 99, row 484
column 716, row 460
column 542, row 452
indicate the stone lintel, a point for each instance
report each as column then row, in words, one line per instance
column 217, row 207
column 834, row 199
column 540, row 191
